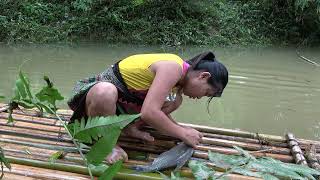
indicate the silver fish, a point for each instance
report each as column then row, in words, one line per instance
column 176, row 156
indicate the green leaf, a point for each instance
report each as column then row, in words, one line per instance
column 26, row 84
column 55, row 156
column 100, row 168
column 49, row 94
column 25, row 103
column 200, row 170
column 103, row 147
column 95, row 127
column 20, row 89
column 111, row 171
column 226, row 161
column 4, row 160
column 244, row 153
column 2, row 97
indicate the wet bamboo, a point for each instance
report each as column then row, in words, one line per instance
column 248, row 146
column 296, row 150
column 231, row 151
column 225, row 143
column 228, row 132
column 31, row 119
column 33, row 126
column 18, row 172
column 122, row 174
column 312, row 158
column 43, row 146
column 245, row 140
column 128, row 164
column 232, row 132
column 36, row 140
column 34, row 134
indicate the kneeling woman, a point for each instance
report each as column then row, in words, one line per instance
column 150, row 84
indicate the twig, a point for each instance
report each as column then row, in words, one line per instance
column 306, row 59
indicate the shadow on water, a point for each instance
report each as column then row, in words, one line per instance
column 270, row 90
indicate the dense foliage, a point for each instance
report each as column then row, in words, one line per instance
column 171, row 22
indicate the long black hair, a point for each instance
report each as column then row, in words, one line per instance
column 219, row 74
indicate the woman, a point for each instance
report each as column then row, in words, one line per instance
column 150, row 84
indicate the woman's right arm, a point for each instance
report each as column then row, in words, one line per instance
column 167, row 74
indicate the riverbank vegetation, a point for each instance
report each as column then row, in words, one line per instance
column 172, row 22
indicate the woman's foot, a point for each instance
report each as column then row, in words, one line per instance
column 117, row 154
column 134, row 131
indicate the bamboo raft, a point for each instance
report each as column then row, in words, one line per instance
column 31, row 141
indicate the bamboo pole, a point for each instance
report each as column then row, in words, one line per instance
column 296, row 150
column 245, row 140
column 248, row 146
column 232, row 132
column 312, row 158
column 32, row 134
column 122, row 174
column 18, row 172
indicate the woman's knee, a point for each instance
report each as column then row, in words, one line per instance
column 101, row 99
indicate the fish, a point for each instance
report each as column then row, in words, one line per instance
column 175, row 157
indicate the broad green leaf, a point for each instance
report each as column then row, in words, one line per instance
column 20, row 89
column 103, row 146
column 49, row 95
column 25, row 103
column 246, row 172
column 226, row 161
column 2, row 97
column 26, row 84
column 111, row 171
column 200, row 170
column 244, row 153
column 96, row 127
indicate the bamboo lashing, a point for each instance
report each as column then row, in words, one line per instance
column 296, row 150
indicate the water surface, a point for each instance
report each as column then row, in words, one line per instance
column 270, row 90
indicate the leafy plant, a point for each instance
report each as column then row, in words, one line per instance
column 3, row 161
column 200, row 170
column 103, row 132
column 264, row 167
column 98, row 130
column 45, row 99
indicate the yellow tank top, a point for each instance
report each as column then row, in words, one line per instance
column 135, row 69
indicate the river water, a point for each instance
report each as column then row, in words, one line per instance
column 270, row 90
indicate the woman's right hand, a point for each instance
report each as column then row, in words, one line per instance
column 191, row 136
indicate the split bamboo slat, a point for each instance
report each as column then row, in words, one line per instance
column 30, row 142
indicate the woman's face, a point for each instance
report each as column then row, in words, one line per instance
column 197, row 86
